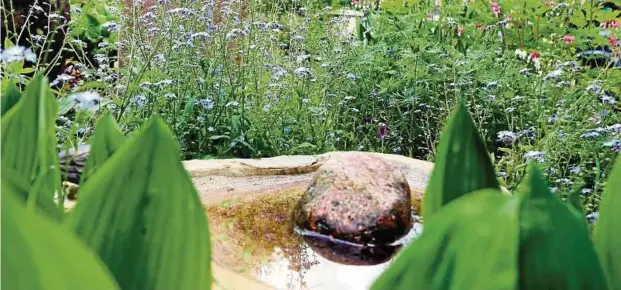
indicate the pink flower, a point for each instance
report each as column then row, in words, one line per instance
column 612, row 41
column 569, row 39
column 610, row 24
column 460, row 30
column 548, row 3
column 534, row 55
column 495, row 9
column 429, row 16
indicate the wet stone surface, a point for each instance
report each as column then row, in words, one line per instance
column 356, row 198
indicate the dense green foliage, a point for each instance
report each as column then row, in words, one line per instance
column 139, row 219
column 486, row 240
column 268, row 78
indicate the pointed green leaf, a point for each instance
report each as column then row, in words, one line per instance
column 106, row 140
column 607, row 233
column 141, row 213
column 38, row 254
column 29, row 141
column 574, row 200
column 17, row 184
column 10, row 97
column 555, row 250
column 462, row 164
column 448, row 254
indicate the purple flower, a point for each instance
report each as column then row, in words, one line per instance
column 382, row 132
column 614, row 144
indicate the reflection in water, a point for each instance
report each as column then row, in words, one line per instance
column 323, row 274
column 321, row 265
column 343, row 252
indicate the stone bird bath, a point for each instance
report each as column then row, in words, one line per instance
column 249, row 203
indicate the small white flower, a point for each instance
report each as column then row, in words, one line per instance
column 521, row 54
column 555, row 74
column 86, row 100
column 303, row 71
column 160, row 57
column 13, row 53
column 61, row 78
column 30, row 56
column 302, row 58
column 614, row 128
column 111, row 26
column 139, row 101
column 537, row 155
column 507, row 136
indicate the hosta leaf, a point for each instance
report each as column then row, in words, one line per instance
column 106, row 140
column 29, row 141
column 448, row 254
column 462, row 164
column 555, row 250
column 141, row 214
column 9, row 97
column 16, row 183
column 607, row 235
column 574, row 200
column 37, row 254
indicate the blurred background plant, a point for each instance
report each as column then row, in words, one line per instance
column 265, row 78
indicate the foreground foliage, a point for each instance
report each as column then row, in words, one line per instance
column 475, row 237
column 139, row 223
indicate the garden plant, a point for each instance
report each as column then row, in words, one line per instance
column 139, row 223
column 522, row 95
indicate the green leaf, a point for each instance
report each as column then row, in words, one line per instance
column 10, row 97
column 574, row 200
column 448, row 254
column 106, row 140
column 38, row 254
column 555, row 250
column 29, row 142
column 90, row 26
column 141, row 213
column 607, row 235
column 462, row 164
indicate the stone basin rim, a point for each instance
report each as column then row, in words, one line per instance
column 285, row 164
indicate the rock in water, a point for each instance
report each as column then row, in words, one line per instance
column 72, row 163
column 356, row 198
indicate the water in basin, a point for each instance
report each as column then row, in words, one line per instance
column 255, row 236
